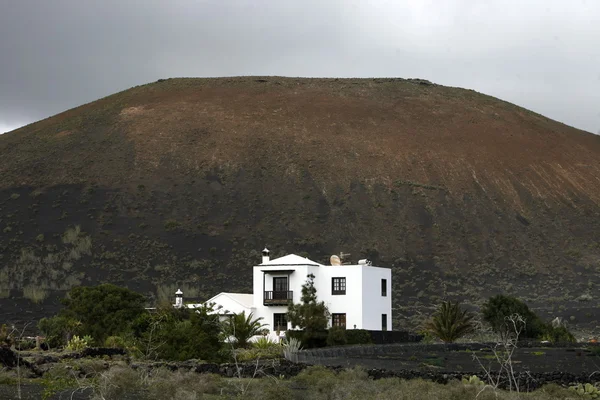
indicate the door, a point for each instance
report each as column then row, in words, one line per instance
column 280, row 288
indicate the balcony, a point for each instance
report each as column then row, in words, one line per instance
column 278, row 298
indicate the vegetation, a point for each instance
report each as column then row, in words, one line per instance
column 497, row 310
column 76, row 343
column 310, row 315
column 313, row 383
column 58, row 330
column 104, row 310
column 179, row 334
column 450, row 322
column 336, row 336
column 242, row 328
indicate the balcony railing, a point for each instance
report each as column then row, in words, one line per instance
column 278, row 298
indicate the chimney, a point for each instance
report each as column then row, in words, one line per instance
column 178, row 298
column 265, row 255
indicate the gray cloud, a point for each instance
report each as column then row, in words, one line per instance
column 542, row 55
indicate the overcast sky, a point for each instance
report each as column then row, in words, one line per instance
column 543, row 55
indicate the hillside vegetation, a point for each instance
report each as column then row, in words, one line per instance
column 181, row 182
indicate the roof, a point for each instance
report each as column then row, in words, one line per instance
column 243, row 299
column 290, row 259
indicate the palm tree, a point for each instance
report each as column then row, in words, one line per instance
column 242, row 328
column 450, row 322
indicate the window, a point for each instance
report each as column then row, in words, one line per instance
column 338, row 320
column 384, row 322
column 279, row 322
column 384, row 287
column 338, row 285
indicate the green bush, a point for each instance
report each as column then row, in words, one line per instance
column 336, row 336
column 115, row 342
column 251, row 354
column 104, row 310
column 6, row 338
column 358, row 336
column 179, row 334
column 77, row 343
column 557, row 335
column 59, row 330
column 264, row 342
column 497, row 309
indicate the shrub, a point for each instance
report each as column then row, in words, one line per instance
column 336, row 336
column 77, row 343
column 497, row 309
column 118, row 382
column 270, row 353
column 59, row 330
column 103, row 310
column 358, row 336
column 264, row 342
column 165, row 384
column 115, row 342
column 586, row 390
column 558, row 334
column 171, row 225
column 450, row 322
column 291, row 347
column 35, row 294
column 6, row 338
column 179, row 334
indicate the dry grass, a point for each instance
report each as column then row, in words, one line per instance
column 34, row 293
column 315, row 383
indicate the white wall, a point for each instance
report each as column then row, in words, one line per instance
column 296, row 280
column 374, row 304
column 350, row 303
column 362, row 303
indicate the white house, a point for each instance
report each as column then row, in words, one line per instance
column 358, row 296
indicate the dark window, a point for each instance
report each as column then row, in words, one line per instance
column 338, row 285
column 280, row 284
column 338, row 320
column 384, row 287
column 280, row 288
column 384, row 322
column 279, row 322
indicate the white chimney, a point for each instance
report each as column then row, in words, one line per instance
column 265, row 255
column 178, row 298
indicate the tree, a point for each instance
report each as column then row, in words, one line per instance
column 498, row 308
column 179, row 334
column 310, row 315
column 242, row 328
column 450, row 322
column 104, row 310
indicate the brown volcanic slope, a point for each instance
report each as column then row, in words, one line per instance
column 181, row 181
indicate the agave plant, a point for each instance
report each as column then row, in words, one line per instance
column 450, row 322
column 242, row 328
column 291, row 347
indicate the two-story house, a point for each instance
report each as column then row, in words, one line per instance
column 357, row 296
